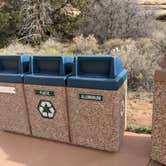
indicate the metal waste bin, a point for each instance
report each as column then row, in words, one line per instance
column 46, row 97
column 13, row 112
column 96, row 96
column 159, row 116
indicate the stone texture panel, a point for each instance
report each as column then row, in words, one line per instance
column 53, row 129
column 13, row 112
column 97, row 124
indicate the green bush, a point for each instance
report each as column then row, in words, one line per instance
column 9, row 18
column 51, row 18
column 139, row 130
column 65, row 17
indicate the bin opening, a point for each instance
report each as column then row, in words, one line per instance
column 97, row 72
column 96, row 69
column 9, row 65
column 13, row 68
column 47, row 67
column 49, row 70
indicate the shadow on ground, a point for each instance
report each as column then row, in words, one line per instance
column 16, row 150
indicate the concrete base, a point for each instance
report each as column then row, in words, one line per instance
column 13, row 112
column 54, row 127
column 18, row 150
column 97, row 123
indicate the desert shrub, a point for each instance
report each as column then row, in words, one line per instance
column 85, row 45
column 113, row 45
column 109, row 19
column 141, row 59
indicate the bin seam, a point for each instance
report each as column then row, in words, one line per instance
column 27, row 111
column 68, row 115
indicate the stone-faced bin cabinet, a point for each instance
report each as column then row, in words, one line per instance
column 46, row 97
column 96, row 95
column 13, row 112
column 159, row 116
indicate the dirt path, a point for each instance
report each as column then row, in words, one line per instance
column 139, row 109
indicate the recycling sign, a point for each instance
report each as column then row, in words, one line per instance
column 46, row 109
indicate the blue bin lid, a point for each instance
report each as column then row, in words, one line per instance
column 98, row 72
column 13, row 67
column 49, row 70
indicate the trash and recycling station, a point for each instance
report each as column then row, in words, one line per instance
column 78, row 100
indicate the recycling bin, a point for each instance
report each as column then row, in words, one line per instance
column 13, row 112
column 46, row 97
column 96, row 95
column 159, row 116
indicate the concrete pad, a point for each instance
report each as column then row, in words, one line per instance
column 16, row 150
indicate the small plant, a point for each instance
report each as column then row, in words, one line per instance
column 139, row 130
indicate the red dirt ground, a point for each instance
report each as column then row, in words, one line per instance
column 139, row 109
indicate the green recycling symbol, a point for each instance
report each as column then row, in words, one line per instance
column 46, row 109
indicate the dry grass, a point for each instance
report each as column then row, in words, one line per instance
column 161, row 13
column 155, row 2
column 18, row 48
column 50, row 47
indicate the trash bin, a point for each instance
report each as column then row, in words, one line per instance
column 46, row 97
column 13, row 113
column 159, row 116
column 96, row 97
